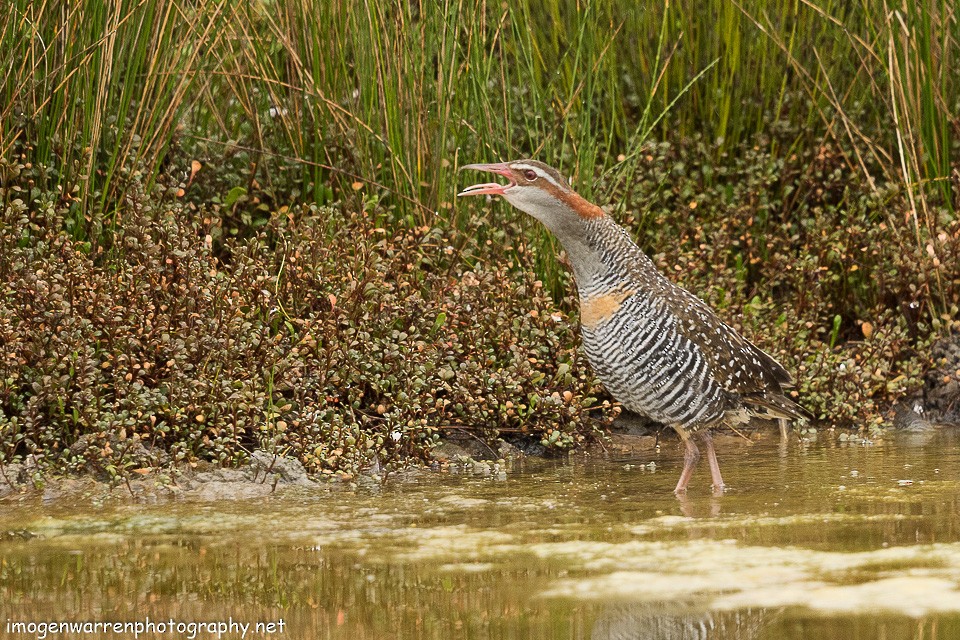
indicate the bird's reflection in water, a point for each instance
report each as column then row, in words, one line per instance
column 700, row 508
column 668, row 621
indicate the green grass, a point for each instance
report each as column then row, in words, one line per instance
column 414, row 88
column 397, row 95
column 95, row 90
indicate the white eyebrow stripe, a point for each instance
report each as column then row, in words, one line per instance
column 540, row 172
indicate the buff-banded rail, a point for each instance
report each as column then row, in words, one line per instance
column 658, row 349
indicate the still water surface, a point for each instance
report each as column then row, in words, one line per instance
column 818, row 541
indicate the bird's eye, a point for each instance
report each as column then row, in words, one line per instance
column 530, row 175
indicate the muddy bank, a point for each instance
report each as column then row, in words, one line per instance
column 265, row 474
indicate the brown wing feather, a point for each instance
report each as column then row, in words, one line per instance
column 738, row 364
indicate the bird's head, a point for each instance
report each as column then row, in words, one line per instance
column 534, row 188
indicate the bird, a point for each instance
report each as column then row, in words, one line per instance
column 659, row 350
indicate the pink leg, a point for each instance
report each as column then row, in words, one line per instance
column 690, row 456
column 714, row 465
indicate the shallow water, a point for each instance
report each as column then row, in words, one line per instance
column 814, row 541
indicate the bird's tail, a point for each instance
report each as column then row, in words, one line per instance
column 774, row 406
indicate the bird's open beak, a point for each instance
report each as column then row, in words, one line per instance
column 489, row 187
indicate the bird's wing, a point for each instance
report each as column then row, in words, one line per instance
column 735, row 362
column 738, row 365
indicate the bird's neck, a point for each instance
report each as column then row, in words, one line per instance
column 580, row 243
column 596, row 246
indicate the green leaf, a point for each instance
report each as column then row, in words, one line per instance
column 233, row 195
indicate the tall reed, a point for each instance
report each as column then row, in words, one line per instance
column 94, row 90
column 396, row 95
